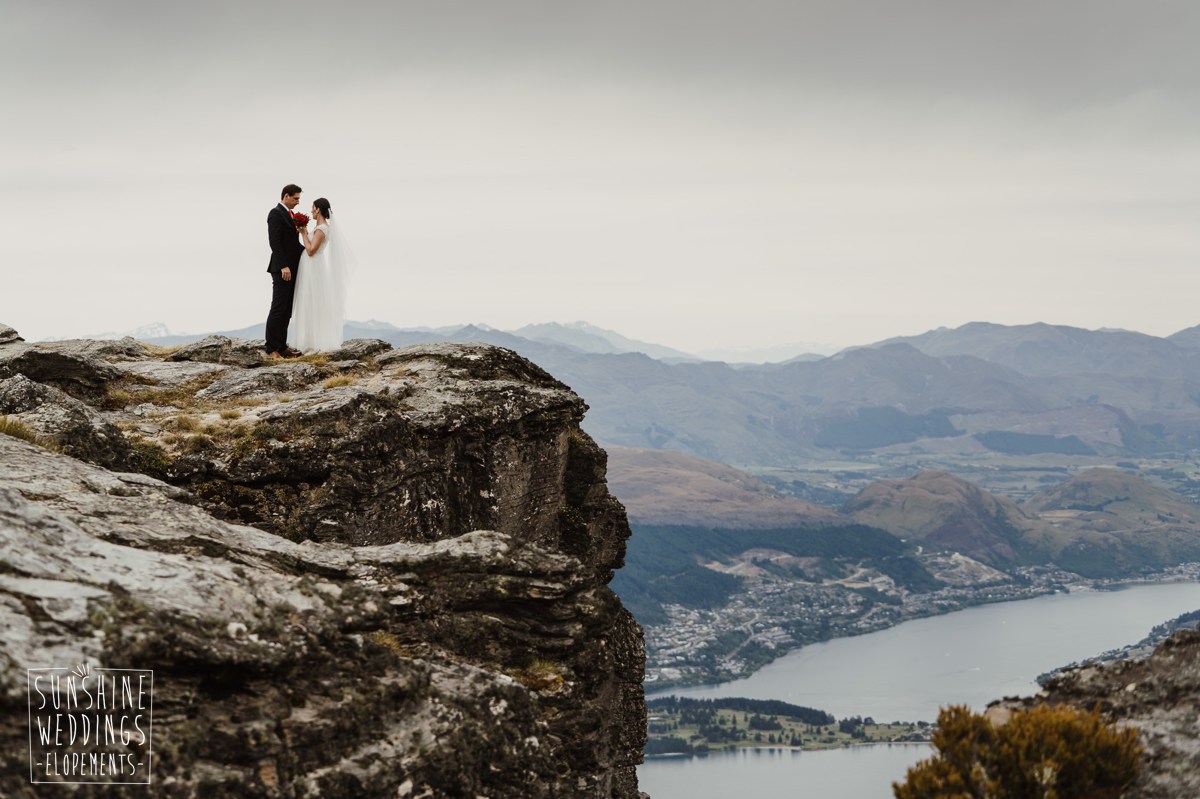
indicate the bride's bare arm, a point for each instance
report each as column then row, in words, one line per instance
column 311, row 245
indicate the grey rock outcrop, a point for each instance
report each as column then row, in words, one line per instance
column 432, row 442
column 357, row 348
column 68, row 366
column 282, row 377
column 1159, row 696
column 222, row 349
column 76, row 429
column 419, row 608
column 7, row 334
column 107, row 349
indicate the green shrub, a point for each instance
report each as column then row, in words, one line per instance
column 148, row 458
column 1043, row 753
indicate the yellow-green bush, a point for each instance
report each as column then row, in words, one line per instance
column 1043, row 753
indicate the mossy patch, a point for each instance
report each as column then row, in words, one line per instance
column 148, row 458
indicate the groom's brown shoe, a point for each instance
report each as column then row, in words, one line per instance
column 275, row 355
column 292, row 353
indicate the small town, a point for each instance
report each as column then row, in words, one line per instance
column 773, row 616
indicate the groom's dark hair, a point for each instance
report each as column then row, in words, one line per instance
column 290, row 188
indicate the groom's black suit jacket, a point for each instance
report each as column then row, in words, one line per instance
column 285, row 244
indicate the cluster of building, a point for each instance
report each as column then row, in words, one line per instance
column 774, row 615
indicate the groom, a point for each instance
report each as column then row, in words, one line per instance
column 285, row 260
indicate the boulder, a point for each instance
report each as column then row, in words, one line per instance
column 281, row 377
column 359, row 348
column 224, row 350
column 365, row 463
column 83, row 375
column 127, row 348
column 73, row 426
column 7, row 334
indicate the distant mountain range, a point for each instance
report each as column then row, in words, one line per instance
column 588, row 338
column 1044, row 350
column 1021, row 390
column 576, row 336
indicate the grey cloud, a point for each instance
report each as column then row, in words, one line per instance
column 749, row 154
column 1049, row 53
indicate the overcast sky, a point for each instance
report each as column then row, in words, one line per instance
column 689, row 172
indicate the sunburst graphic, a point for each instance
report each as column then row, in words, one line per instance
column 82, row 670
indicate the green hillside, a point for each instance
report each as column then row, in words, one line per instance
column 663, row 562
column 1109, row 523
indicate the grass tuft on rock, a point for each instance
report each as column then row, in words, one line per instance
column 17, row 429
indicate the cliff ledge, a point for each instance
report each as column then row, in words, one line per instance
column 377, row 573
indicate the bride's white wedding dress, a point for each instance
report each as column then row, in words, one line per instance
column 319, row 304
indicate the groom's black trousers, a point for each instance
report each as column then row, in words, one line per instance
column 280, row 314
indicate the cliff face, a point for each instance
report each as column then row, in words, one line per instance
column 382, row 573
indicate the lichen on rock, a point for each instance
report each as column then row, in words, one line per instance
column 395, row 586
column 1159, row 696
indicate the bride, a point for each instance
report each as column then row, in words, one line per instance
column 319, row 308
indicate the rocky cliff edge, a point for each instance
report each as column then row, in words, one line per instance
column 371, row 573
column 1159, row 696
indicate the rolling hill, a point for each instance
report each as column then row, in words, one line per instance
column 1101, row 523
column 946, row 512
column 659, row 487
column 1111, row 522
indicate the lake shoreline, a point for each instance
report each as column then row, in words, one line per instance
column 777, row 748
column 969, row 658
column 659, row 688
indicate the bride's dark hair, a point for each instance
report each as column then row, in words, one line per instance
column 323, row 204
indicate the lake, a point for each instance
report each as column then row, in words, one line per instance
column 905, row 673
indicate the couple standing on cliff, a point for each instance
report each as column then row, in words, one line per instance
column 309, row 275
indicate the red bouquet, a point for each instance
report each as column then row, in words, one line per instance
column 301, row 221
